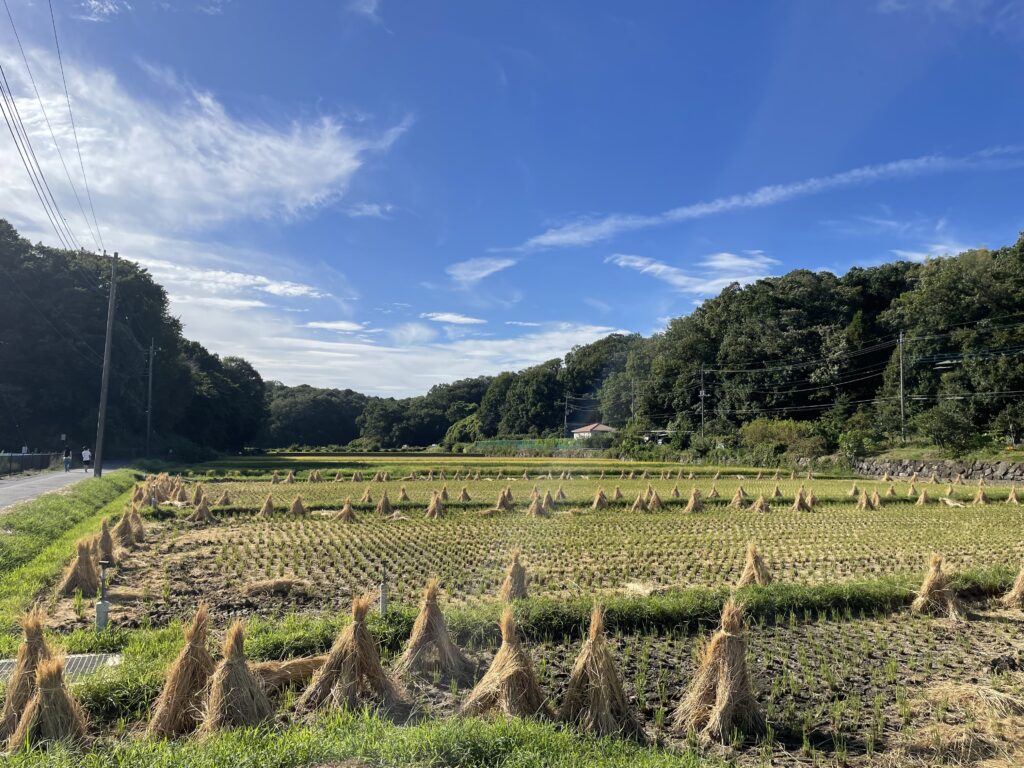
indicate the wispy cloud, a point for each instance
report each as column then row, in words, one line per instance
column 370, row 10
column 932, row 251
column 221, row 280
column 452, row 318
column 589, row 230
column 746, row 263
column 472, row 271
column 407, row 334
column 342, row 326
column 369, row 210
column 219, row 302
column 101, row 10
column 522, row 323
column 679, row 279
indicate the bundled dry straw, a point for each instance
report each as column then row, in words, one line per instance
column 138, row 530
column 923, row 499
column 384, row 507
column 800, row 503
column 122, row 532
column 760, row 505
column 854, row 491
column 1012, row 496
column 600, row 500
column 268, row 506
column 1015, row 597
column 366, row 498
column 177, row 709
column 617, row 494
column 297, row 509
column 755, row 571
column 464, row 495
column 695, row 504
column 980, row 499
column 201, row 514
column 776, row 492
column 537, row 509
column 640, row 505
column 509, row 686
column 548, row 502
column 105, row 544
column 435, row 508
column 352, row 669
column 720, row 699
column 278, row 675
column 863, row 501
column 739, row 498
column 890, row 492
column 403, row 495
column 52, row 715
column 21, row 685
column 675, row 492
column 876, row 500
column 236, row 698
column 82, row 575
column 290, row 477
column 654, row 502
column 595, row 700
column 514, row 586
column 713, row 493
column 936, row 596
column 430, row 649
column 347, row 514
column 223, row 501
column 443, row 493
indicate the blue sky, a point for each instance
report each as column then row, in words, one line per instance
column 385, row 195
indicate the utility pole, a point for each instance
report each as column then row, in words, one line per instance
column 565, row 417
column 149, row 399
column 105, row 378
column 702, row 400
column 903, row 426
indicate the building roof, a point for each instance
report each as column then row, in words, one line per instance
column 595, row 427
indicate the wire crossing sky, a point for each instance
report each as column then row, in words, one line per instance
column 385, row 196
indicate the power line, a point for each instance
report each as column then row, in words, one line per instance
column 46, row 118
column 9, row 107
column 74, row 130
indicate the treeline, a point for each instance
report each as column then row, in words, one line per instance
column 53, row 311
column 803, row 364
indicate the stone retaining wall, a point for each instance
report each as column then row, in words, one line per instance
column 996, row 471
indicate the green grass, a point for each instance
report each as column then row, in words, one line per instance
column 459, row 743
column 42, row 534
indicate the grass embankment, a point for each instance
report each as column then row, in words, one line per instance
column 465, row 743
column 38, row 539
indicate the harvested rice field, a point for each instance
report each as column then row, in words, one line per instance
column 748, row 617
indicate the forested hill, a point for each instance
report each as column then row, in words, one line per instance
column 820, row 350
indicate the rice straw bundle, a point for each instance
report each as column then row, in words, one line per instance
column 911, row 491
column 675, row 492
column 595, row 699
column 297, row 509
column 548, row 502
column 800, row 503
column 600, row 500
column 235, row 696
column 122, row 532
column 224, row 500
column 135, row 521
column 347, row 514
column 279, row 675
column 923, row 499
column 430, row 648
column 617, row 494
column 863, row 501
column 890, row 492
column 537, row 509
column 654, row 503
column 402, row 495
column 105, row 543
column 21, row 685
column 464, row 495
column 754, row 571
column 201, row 514
column 1012, row 496
column 760, row 505
column 435, row 508
column 514, row 586
column 357, row 477
column 197, row 496
column 274, row 478
column 713, row 493
column 854, row 491
column 640, row 505
column 720, row 699
column 509, row 686
column 443, row 494
column 739, row 498
column 268, row 506
column 980, row 498
column 177, row 708
column 366, row 498
column 1012, row 599
column 936, row 596
column 695, row 504
column 876, row 500
column 52, row 715
column 82, row 574
column 290, row 477
column 384, row 507
column 352, row 669
column 776, row 492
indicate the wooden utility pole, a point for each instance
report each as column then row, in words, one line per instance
column 903, row 425
column 702, row 400
column 149, row 398
column 105, row 377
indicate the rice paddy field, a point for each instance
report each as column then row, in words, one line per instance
column 831, row 660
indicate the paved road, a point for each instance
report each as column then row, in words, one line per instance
column 17, row 489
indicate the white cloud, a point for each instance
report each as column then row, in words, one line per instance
column 932, row 251
column 368, row 9
column 472, row 271
column 221, row 302
column 750, row 261
column 412, row 333
column 522, row 323
column 101, row 10
column 369, row 210
column 596, row 303
column 589, row 230
column 453, row 318
column 342, row 326
column 677, row 278
column 176, row 164
column 220, row 280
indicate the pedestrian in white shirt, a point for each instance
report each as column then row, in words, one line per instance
column 86, row 457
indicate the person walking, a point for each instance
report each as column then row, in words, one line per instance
column 86, row 457
column 67, row 459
